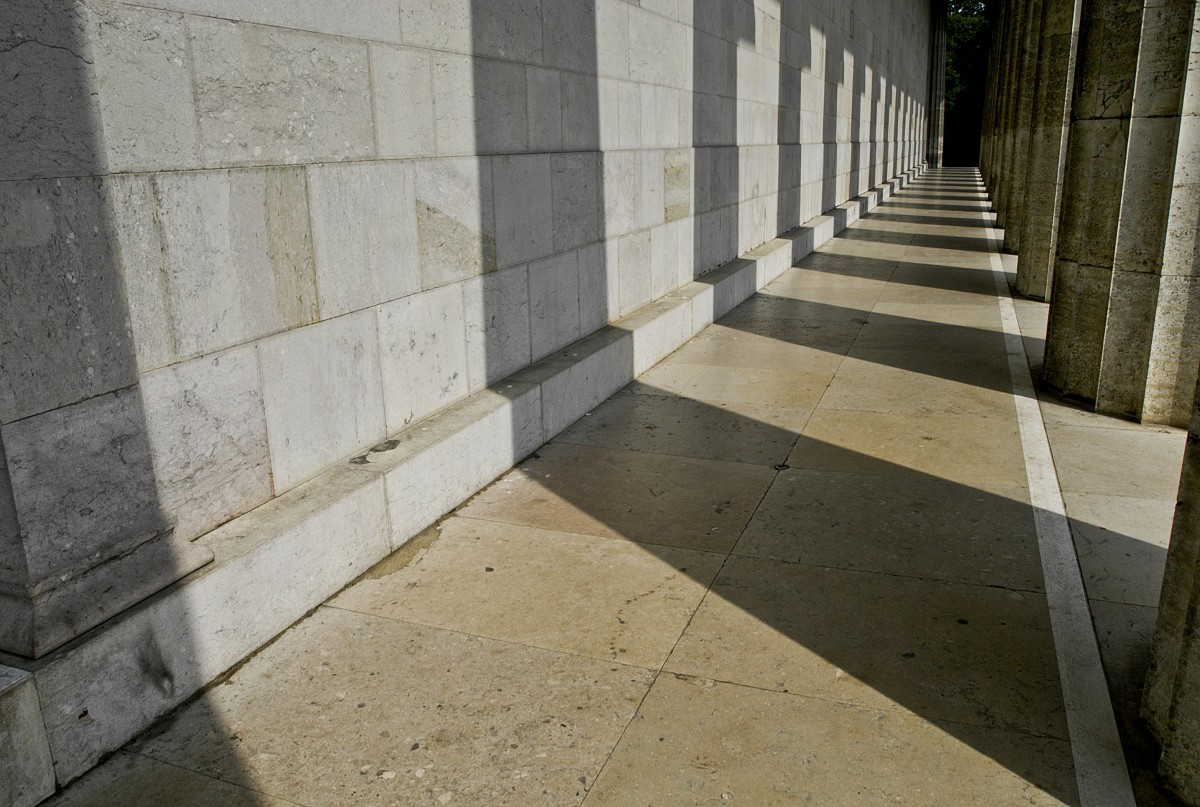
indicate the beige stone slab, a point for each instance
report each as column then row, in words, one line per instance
column 723, row 346
column 945, row 651
column 1121, row 543
column 860, row 248
column 766, row 306
column 886, row 332
column 848, row 292
column 133, row 780
column 981, row 315
column 639, row 420
column 921, row 382
column 912, row 526
column 739, row 384
column 933, row 297
column 352, row 709
column 579, row 594
column 699, row 742
column 974, row 450
column 826, row 336
column 1149, row 465
column 649, row 498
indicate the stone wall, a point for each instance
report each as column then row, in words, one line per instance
column 243, row 242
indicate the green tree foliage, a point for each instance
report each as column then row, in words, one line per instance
column 967, row 35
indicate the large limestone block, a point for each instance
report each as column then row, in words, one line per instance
column 456, row 224
column 496, row 307
column 365, row 19
column 577, row 197
column 62, row 297
column 524, row 216
column 364, row 231
column 271, row 95
column 553, row 303
column 403, row 86
column 480, row 105
column 208, row 439
column 235, row 258
column 323, row 395
column 423, row 353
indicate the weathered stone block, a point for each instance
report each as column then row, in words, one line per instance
column 622, row 191
column 456, row 224
column 524, row 223
column 612, row 38
column 430, row 471
column 553, row 303
column 141, row 56
column 574, row 383
column 267, row 94
column 423, row 352
column 366, row 19
column 650, row 201
column 577, row 200
column 48, row 126
column 238, row 255
column 658, row 52
column 364, row 230
column 544, row 103
column 569, row 35
column 658, row 330
column 629, row 112
column 580, row 112
column 664, row 259
column 480, row 106
column 677, row 185
column 403, row 84
column 633, row 263
column 26, row 769
column 62, row 297
column 509, row 29
column 322, row 394
column 597, row 286
column 497, row 319
column 208, row 439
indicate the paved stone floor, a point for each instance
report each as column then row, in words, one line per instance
column 794, row 563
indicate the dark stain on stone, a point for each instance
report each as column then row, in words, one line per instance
column 152, row 664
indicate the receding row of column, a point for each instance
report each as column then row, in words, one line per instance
column 1090, row 156
column 1091, row 150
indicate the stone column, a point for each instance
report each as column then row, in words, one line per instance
column 937, row 84
column 1025, row 91
column 995, row 101
column 1008, row 82
column 1047, row 146
column 1148, row 200
column 1171, row 701
column 82, row 533
column 1091, row 197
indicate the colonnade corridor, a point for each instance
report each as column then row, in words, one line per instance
column 809, row 558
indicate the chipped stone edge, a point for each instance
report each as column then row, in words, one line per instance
column 98, row 692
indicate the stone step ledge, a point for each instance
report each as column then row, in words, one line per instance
column 281, row 560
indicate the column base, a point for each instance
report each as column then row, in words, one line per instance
column 32, row 625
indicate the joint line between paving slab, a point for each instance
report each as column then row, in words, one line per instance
column 1100, row 769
